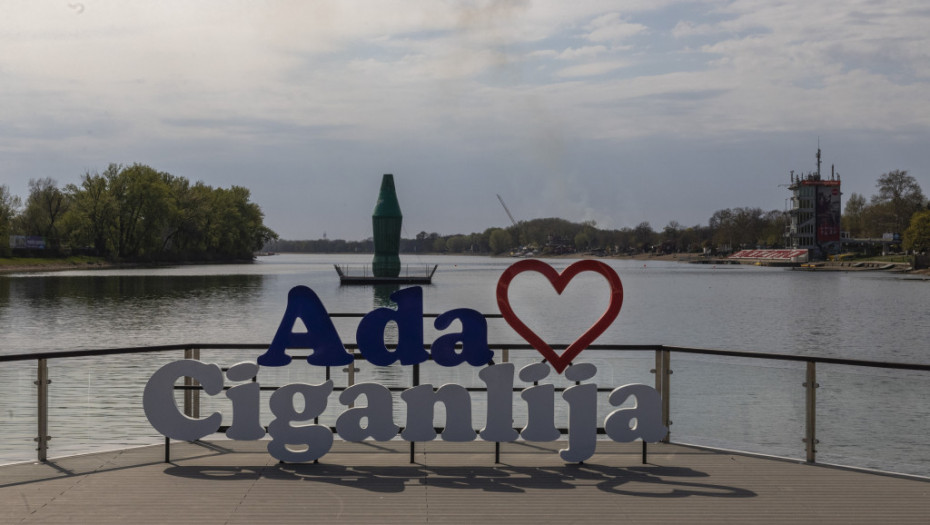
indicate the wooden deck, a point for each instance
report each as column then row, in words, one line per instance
column 226, row 482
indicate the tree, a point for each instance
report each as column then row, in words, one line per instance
column 457, row 243
column 422, row 244
column 185, row 229
column 45, row 207
column 672, row 237
column 91, row 217
column 9, row 207
column 500, row 241
column 234, row 227
column 774, row 224
column 644, row 236
column 723, row 227
column 141, row 209
column 901, row 197
column 854, row 216
column 917, row 235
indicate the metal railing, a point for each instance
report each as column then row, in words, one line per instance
column 662, row 371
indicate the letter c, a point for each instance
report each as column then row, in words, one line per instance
column 161, row 409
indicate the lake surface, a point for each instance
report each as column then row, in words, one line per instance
column 865, row 417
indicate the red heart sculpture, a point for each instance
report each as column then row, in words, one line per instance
column 559, row 281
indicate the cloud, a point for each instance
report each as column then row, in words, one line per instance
column 516, row 87
column 685, row 28
column 591, row 69
column 584, row 52
column 612, row 28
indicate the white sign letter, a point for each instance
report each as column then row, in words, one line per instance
column 162, row 411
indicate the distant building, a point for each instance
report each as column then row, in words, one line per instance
column 815, row 212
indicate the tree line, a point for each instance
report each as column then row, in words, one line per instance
column 899, row 206
column 136, row 213
column 554, row 236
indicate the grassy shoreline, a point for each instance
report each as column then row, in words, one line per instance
column 32, row 264
column 82, row 262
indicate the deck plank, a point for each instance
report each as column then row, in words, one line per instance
column 239, row 483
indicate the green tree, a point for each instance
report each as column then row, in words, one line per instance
column 671, row 237
column 917, row 235
column 92, row 217
column 457, row 243
column 9, row 207
column 141, row 207
column 854, row 215
column 45, row 207
column 185, row 233
column 234, row 227
column 644, row 236
column 499, row 241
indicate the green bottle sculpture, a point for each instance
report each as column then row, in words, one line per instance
column 386, row 221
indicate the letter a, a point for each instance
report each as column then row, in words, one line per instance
column 643, row 421
column 474, row 339
column 409, row 319
column 321, row 335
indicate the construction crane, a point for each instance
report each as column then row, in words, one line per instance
column 506, row 210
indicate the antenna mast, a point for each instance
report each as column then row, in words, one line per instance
column 818, row 158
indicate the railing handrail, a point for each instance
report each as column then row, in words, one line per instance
column 662, row 372
column 91, row 352
column 60, row 354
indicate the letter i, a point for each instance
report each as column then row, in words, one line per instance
column 582, row 414
column 540, row 405
column 245, row 403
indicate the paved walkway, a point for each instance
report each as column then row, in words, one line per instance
column 226, row 482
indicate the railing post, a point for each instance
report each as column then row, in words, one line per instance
column 663, row 372
column 810, row 427
column 42, row 382
column 351, row 370
column 350, row 373
column 416, row 382
column 191, row 395
column 505, row 358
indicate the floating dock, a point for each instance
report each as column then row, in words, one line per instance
column 364, row 275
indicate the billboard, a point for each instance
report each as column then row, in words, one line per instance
column 29, row 242
column 828, row 211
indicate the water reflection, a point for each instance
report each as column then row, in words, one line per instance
column 382, row 295
column 386, row 375
column 119, row 310
column 42, row 292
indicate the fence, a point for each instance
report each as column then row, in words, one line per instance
column 709, row 374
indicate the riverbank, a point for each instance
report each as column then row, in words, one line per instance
column 32, row 264
column 25, row 264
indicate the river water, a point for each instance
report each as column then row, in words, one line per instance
column 865, row 417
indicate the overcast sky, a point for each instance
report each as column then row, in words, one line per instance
column 614, row 111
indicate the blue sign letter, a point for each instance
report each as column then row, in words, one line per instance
column 321, row 335
column 474, row 339
column 409, row 319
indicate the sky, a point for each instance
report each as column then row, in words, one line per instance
column 616, row 111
